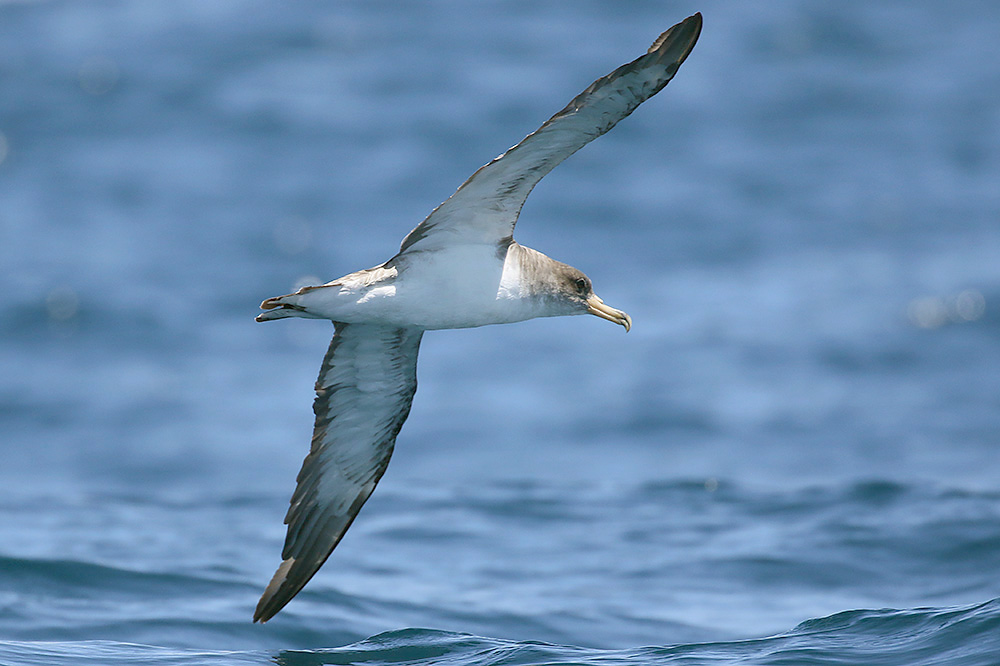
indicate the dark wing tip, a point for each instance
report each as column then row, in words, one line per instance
column 278, row 593
column 294, row 572
column 679, row 39
column 291, row 576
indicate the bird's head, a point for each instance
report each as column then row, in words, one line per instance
column 578, row 290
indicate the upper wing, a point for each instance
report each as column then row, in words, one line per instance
column 363, row 395
column 486, row 206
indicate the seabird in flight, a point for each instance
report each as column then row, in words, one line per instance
column 459, row 268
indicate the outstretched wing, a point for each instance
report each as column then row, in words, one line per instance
column 363, row 395
column 486, row 206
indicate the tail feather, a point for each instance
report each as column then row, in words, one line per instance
column 275, row 302
column 282, row 312
column 282, row 307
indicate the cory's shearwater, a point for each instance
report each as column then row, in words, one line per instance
column 459, row 268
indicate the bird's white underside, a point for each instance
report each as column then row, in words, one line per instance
column 459, row 286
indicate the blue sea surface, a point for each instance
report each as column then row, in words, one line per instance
column 792, row 458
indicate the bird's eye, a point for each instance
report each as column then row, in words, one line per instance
column 582, row 286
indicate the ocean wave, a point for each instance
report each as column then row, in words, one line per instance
column 961, row 635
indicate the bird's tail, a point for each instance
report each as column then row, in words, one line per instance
column 282, row 307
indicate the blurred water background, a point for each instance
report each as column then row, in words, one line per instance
column 792, row 458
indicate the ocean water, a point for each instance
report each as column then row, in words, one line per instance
column 792, row 458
